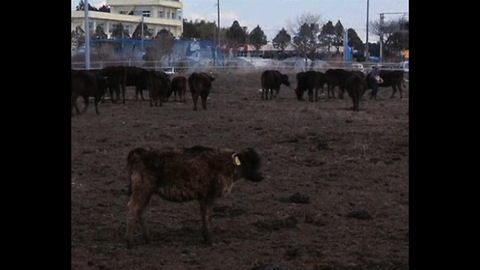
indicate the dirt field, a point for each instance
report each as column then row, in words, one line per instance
column 335, row 194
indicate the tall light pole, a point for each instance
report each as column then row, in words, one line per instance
column 218, row 34
column 382, row 16
column 218, row 19
column 87, row 36
column 367, row 55
column 141, row 47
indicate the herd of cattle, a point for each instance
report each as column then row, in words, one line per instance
column 114, row 80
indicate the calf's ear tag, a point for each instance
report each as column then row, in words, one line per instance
column 236, row 160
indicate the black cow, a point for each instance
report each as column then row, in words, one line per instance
column 179, row 87
column 116, row 76
column 336, row 77
column 271, row 80
column 158, row 84
column 86, row 84
column 391, row 78
column 356, row 85
column 105, row 83
column 136, row 76
column 200, row 84
column 310, row 81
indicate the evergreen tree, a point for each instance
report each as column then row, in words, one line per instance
column 235, row 35
column 120, row 32
column 257, row 38
column 99, row 33
column 137, row 34
column 199, row 29
column 281, row 40
column 339, row 36
column 81, row 6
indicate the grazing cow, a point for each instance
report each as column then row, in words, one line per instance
column 85, row 84
column 272, row 80
column 200, row 84
column 158, row 84
column 309, row 81
column 356, row 85
column 116, row 75
column 179, row 175
column 337, row 77
column 104, row 82
column 179, row 87
column 393, row 78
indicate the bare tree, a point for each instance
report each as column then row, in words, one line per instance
column 305, row 35
column 392, row 35
column 161, row 48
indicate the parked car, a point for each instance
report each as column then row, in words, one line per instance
column 404, row 66
column 169, row 70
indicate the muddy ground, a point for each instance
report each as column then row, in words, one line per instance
column 335, row 195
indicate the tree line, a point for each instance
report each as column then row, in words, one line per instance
column 310, row 39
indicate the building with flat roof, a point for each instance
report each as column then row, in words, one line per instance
column 157, row 15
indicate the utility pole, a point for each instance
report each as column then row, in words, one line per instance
column 367, row 55
column 87, row 36
column 382, row 16
column 345, row 47
column 141, row 47
column 218, row 34
column 218, row 18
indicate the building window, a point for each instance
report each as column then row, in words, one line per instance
column 168, row 15
column 146, row 13
column 160, row 14
column 122, row 12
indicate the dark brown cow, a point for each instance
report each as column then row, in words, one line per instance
column 200, row 84
column 179, row 87
column 135, row 76
column 85, row 84
column 158, row 84
column 391, row 78
column 356, row 85
column 272, row 80
column 310, row 81
column 336, row 77
column 179, row 175
column 116, row 76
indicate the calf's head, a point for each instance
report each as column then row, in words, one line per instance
column 247, row 165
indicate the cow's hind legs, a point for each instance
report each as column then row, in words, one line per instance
column 136, row 208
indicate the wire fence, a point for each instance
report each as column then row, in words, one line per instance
column 240, row 64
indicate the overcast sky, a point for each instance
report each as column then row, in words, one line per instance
column 272, row 15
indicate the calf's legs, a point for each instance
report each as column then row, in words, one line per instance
column 136, row 208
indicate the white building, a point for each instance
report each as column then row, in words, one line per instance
column 157, row 14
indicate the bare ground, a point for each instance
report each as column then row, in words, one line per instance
column 335, row 194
